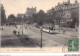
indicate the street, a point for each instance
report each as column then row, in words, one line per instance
column 55, row 39
column 32, row 37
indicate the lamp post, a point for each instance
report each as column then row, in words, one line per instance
column 22, row 25
column 41, row 36
column 0, row 25
column 0, row 15
column 59, row 25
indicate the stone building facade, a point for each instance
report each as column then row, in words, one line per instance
column 65, row 9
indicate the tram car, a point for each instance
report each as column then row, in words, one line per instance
column 49, row 28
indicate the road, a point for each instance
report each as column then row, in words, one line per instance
column 32, row 37
column 48, row 40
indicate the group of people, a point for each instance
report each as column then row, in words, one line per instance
column 18, row 28
column 16, row 32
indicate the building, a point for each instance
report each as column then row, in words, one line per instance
column 65, row 10
column 30, row 11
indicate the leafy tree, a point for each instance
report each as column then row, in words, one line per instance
column 19, row 18
column 75, row 17
column 41, row 17
column 50, row 16
column 3, row 16
column 34, row 16
column 11, row 18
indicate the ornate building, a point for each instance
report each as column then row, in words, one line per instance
column 65, row 10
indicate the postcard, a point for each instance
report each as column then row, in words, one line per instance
column 39, row 26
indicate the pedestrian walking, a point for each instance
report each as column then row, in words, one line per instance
column 2, row 29
column 18, row 32
column 63, row 31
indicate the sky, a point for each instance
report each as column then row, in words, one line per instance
column 20, row 6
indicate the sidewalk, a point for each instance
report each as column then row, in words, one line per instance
column 8, row 39
column 17, row 41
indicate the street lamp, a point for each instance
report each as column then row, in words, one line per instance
column 22, row 24
column 41, row 35
column 0, row 15
column 0, row 25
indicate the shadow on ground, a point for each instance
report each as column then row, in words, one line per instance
column 17, row 41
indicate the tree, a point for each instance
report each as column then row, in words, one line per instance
column 34, row 16
column 50, row 16
column 19, row 18
column 75, row 18
column 41, row 17
column 11, row 19
column 3, row 16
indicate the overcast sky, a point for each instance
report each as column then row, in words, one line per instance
column 20, row 6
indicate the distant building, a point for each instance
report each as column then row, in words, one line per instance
column 63, row 12
column 30, row 11
column 65, row 9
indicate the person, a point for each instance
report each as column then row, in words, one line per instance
column 15, row 32
column 49, row 29
column 18, row 32
column 16, row 27
column 63, row 31
column 2, row 29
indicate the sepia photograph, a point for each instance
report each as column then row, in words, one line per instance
column 39, row 24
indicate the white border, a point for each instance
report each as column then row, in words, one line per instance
column 79, row 26
column 0, row 25
column 23, row 54
column 37, row 54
